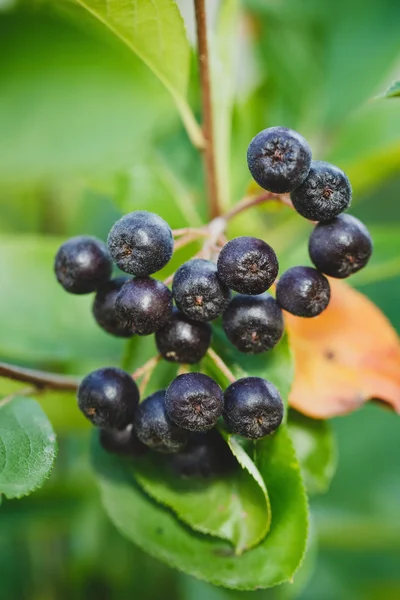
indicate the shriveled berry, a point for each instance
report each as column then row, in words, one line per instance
column 194, row 401
column 155, row 429
column 253, row 324
column 144, row 304
column 198, row 291
column 141, row 243
column 104, row 308
column 182, row 340
column 303, row 292
column 123, row 442
column 247, row 265
column 82, row 264
column 340, row 247
column 108, row 397
column 279, row 159
column 205, row 455
column 253, row 407
column 324, row 194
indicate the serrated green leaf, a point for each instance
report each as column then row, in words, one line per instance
column 27, row 447
column 393, row 91
column 155, row 31
column 316, row 450
column 240, row 513
column 158, row 532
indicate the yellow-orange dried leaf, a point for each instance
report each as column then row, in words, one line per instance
column 344, row 357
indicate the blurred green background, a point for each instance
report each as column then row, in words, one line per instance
column 87, row 133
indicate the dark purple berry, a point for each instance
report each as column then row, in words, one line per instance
column 205, row 455
column 340, row 247
column 324, row 194
column 144, row 304
column 279, row 159
column 108, row 397
column 104, row 308
column 253, row 324
column 82, row 264
column 253, row 407
column 247, row 265
column 123, row 442
column 198, row 291
column 155, row 429
column 303, row 292
column 182, row 340
column 141, row 243
column 194, row 401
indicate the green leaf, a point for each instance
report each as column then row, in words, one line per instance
column 155, row 31
column 223, row 45
column 158, row 532
column 27, row 447
column 393, row 91
column 241, row 511
column 316, row 450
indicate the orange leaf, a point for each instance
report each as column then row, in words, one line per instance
column 344, row 357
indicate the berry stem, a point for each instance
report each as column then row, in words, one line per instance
column 185, row 240
column 209, row 150
column 148, row 367
column 24, row 392
column 39, row 379
column 201, row 232
column 225, row 370
column 251, row 201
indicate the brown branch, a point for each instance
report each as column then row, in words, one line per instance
column 209, row 150
column 251, row 201
column 40, row 379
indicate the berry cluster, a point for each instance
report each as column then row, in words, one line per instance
column 181, row 419
column 280, row 161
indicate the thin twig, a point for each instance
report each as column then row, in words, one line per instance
column 251, row 201
column 149, row 366
column 200, row 231
column 22, row 392
column 168, row 280
column 185, row 240
column 225, row 370
column 39, row 379
column 209, row 150
column 182, row 370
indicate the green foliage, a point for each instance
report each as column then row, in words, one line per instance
column 27, row 447
column 393, row 91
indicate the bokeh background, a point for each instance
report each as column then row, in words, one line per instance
column 88, row 133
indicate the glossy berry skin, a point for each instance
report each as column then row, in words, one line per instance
column 247, row 265
column 279, row 159
column 198, row 291
column 324, row 194
column 194, row 401
column 155, row 429
column 122, row 442
column 253, row 407
column 82, row 264
column 108, row 397
column 104, row 308
column 340, row 247
column 303, row 292
column 145, row 304
column 182, row 340
column 253, row 324
column 141, row 243
column 205, row 455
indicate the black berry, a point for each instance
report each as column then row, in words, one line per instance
column 247, row 265
column 324, row 194
column 145, row 304
column 104, row 308
column 253, row 323
column 123, row 442
column 155, row 429
column 303, row 291
column 108, row 397
column 198, row 291
column 205, row 455
column 141, row 243
column 194, row 401
column 182, row 340
column 82, row 264
column 340, row 247
column 279, row 159
column 253, row 407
